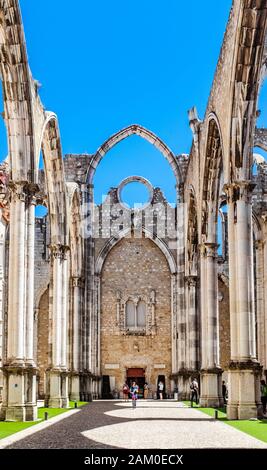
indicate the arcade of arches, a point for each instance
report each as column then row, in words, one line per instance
column 85, row 306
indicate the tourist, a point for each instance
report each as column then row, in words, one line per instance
column 194, row 391
column 146, row 389
column 134, row 394
column 160, row 389
column 263, row 396
column 125, row 391
column 224, row 392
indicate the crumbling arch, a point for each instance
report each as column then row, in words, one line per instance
column 76, row 246
column 246, row 77
column 146, row 134
column 192, row 236
column 18, row 88
column 55, row 181
column 213, row 171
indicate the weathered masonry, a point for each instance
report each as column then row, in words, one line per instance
column 91, row 296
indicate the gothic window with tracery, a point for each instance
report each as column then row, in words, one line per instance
column 135, row 315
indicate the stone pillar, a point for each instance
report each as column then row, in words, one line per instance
column 244, row 370
column 174, row 321
column 76, row 332
column 29, row 342
column 65, row 327
column 261, row 345
column 2, row 299
column 180, row 289
column 58, row 379
column 193, row 340
column 87, row 233
column 210, row 389
column 19, row 370
column 97, row 314
column 264, row 357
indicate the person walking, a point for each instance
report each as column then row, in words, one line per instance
column 161, row 388
column 134, row 394
column 224, row 392
column 146, row 389
column 194, row 391
column 263, row 396
column 125, row 391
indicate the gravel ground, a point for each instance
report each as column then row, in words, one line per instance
column 158, row 425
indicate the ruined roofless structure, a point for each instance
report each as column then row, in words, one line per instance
column 91, row 295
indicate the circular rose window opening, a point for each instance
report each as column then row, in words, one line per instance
column 135, row 192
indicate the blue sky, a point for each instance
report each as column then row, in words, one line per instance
column 106, row 64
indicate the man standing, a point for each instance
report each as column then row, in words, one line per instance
column 161, row 388
column 194, row 391
column 224, row 392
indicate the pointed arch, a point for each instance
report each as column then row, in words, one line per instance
column 18, row 91
column 55, row 180
column 134, row 129
column 124, row 233
column 211, row 179
column 76, row 245
column 246, row 76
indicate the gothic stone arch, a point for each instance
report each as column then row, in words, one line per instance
column 134, row 129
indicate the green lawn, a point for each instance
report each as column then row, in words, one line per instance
column 257, row 429
column 6, row 429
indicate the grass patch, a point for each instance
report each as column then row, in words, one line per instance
column 79, row 403
column 257, row 429
column 8, row 428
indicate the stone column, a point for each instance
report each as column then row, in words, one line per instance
column 90, row 346
column 20, row 372
column 65, row 327
column 174, row 321
column 210, row 390
column 58, row 379
column 29, row 342
column 244, row 370
column 264, row 357
column 2, row 299
column 193, row 341
column 29, row 323
column 259, row 245
column 98, row 306
column 180, row 288
column 76, row 332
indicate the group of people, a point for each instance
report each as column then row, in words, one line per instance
column 195, row 392
column 133, row 391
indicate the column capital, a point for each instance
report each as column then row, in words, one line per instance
column 209, row 249
column 239, row 190
column 58, row 251
column 191, row 280
column 264, row 217
column 259, row 244
column 23, row 191
column 77, row 281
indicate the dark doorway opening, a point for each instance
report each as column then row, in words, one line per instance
column 106, row 393
column 137, row 375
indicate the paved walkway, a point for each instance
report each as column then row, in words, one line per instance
column 153, row 425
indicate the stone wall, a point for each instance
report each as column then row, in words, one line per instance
column 43, row 342
column 41, row 258
column 135, row 268
column 224, row 324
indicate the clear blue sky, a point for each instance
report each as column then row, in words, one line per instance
column 106, row 64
